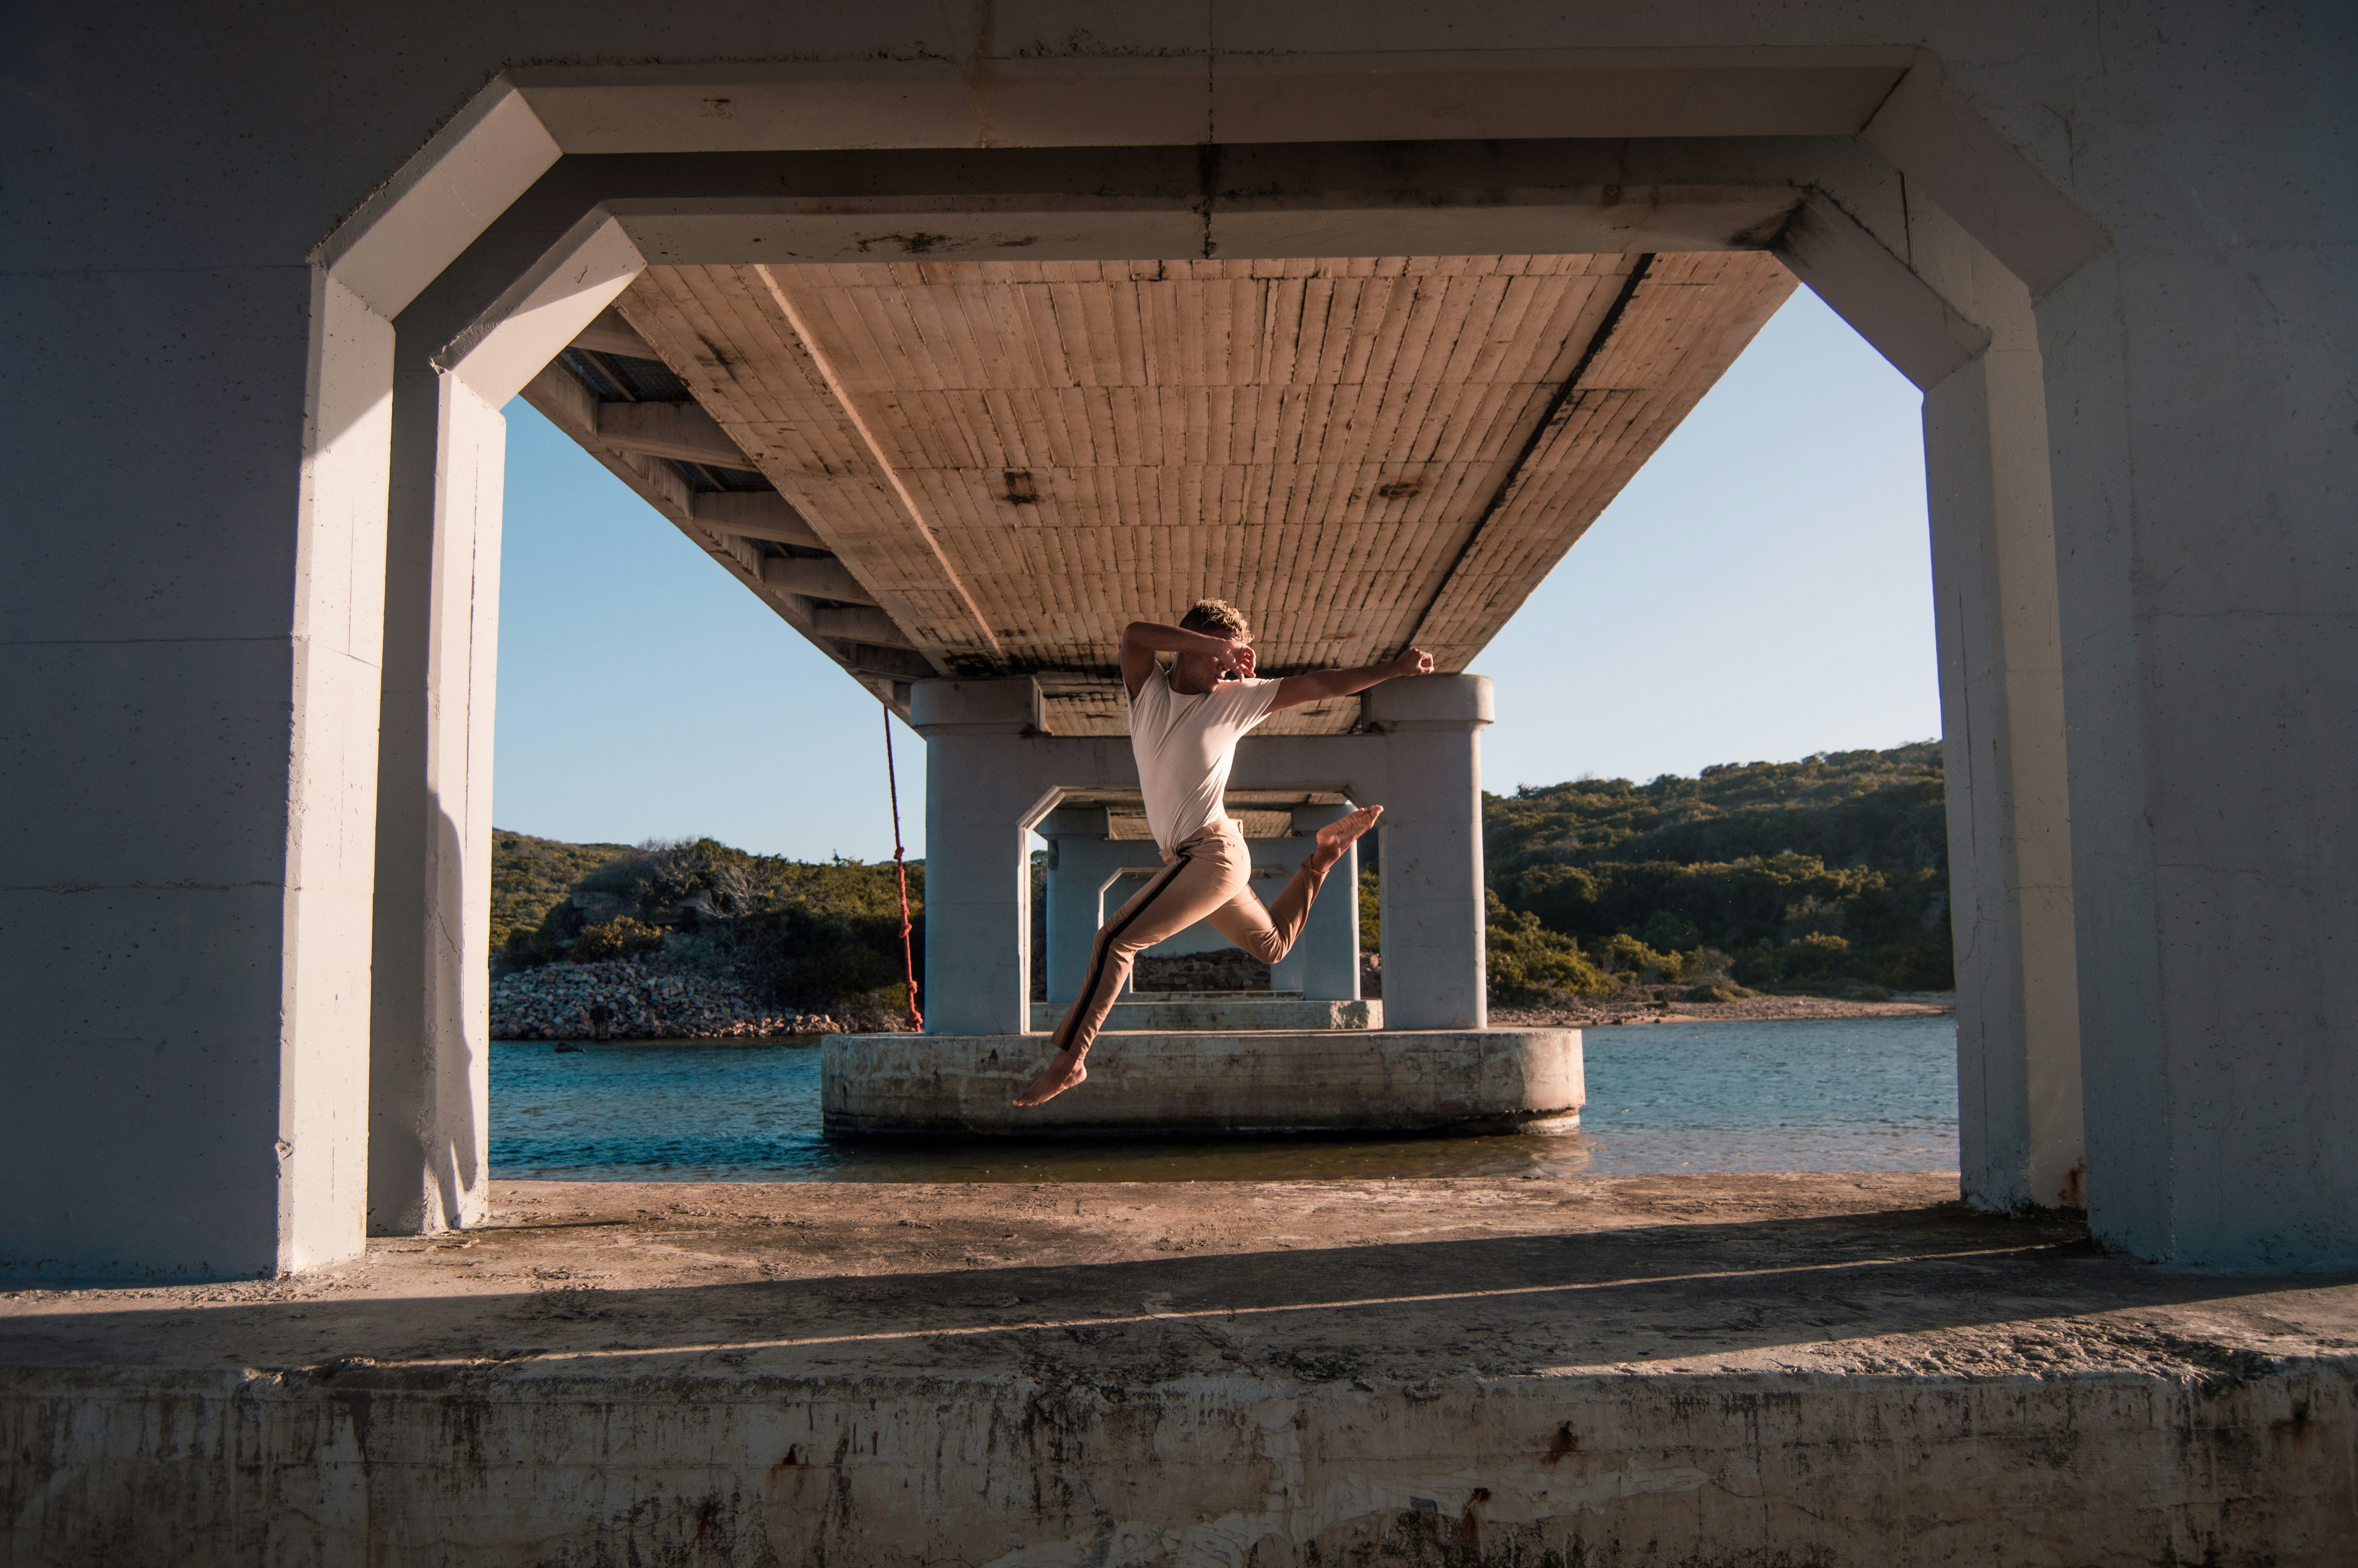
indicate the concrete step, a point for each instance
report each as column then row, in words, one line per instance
column 1169, row 1010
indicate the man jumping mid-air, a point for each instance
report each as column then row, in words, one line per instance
column 1184, row 726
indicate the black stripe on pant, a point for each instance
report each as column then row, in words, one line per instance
column 1105, row 942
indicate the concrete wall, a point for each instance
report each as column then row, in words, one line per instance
column 1247, row 1464
column 194, row 615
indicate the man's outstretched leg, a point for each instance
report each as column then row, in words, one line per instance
column 1268, row 932
column 1207, row 872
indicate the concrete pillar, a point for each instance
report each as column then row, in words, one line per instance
column 1993, row 524
column 1958, row 324
column 2203, row 466
column 190, row 762
column 1431, row 875
column 1329, row 948
column 1073, row 882
column 430, row 1085
column 980, row 793
column 458, row 364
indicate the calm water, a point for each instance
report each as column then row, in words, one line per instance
column 1851, row 1095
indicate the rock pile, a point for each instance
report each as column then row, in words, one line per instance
column 628, row 999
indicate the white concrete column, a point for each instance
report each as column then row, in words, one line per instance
column 2198, row 403
column 429, row 1066
column 430, row 1085
column 2021, row 1139
column 978, row 791
column 1073, row 833
column 189, row 762
column 1329, row 948
column 1432, row 862
column 1958, row 324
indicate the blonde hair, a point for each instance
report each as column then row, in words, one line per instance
column 1217, row 616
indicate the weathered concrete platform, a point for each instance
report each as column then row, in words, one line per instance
column 1750, row 1370
column 1196, row 1081
column 1155, row 1011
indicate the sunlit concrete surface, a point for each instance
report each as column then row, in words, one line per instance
column 1315, row 1080
column 1807, row 1369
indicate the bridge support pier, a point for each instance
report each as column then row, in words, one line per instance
column 991, row 775
column 1083, row 857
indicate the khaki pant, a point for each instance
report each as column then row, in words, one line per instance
column 1203, row 878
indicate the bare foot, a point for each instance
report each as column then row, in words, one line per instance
column 1063, row 1071
column 1340, row 834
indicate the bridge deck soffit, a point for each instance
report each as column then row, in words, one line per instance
column 977, row 466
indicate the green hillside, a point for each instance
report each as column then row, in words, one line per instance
column 1805, row 874
column 532, row 876
column 1827, row 873
column 816, row 934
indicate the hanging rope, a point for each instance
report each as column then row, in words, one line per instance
column 900, row 861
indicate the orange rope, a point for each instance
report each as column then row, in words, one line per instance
column 908, row 954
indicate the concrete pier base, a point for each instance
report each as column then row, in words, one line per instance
column 1836, row 1371
column 1327, row 1080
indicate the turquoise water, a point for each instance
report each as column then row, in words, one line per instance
column 1847, row 1095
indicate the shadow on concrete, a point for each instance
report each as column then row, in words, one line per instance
column 640, row 1293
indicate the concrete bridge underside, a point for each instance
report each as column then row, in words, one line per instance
column 946, row 467
column 250, row 727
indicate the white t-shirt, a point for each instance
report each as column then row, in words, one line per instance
column 1185, row 746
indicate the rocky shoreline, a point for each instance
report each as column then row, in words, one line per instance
column 660, row 1000
column 636, row 999
column 1754, row 1009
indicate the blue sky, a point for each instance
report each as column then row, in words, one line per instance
column 1761, row 590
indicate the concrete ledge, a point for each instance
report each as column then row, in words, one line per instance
column 1157, row 1012
column 1307, row 1081
column 1845, row 1371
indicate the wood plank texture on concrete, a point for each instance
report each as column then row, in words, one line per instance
column 1015, row 458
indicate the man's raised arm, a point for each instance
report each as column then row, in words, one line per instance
column 1318, row 684
column 1141, row 640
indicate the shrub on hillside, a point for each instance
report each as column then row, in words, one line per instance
column 1623, row 954
column 1529, row 963
column 819, row 956
column 532, row 876
column 621, row 937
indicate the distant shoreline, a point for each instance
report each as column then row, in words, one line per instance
column 1743, row 1010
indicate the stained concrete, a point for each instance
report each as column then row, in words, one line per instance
column 1320, row 1080
column 1159, row 1011
column 1830, row 1369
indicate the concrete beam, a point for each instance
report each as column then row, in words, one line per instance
column 677, row 430
column 754, row 514
column 872, row 626
column 1955, row 157
column 816, row 580
column 1892, row 307
column 865, row 660
column 609, row 334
